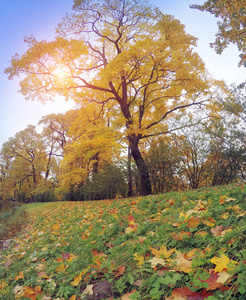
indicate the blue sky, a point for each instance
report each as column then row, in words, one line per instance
column 19, row 18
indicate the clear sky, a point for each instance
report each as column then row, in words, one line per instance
column 19, row 18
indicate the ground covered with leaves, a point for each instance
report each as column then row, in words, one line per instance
column 175, row 246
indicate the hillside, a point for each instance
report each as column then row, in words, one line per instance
column 187, row 245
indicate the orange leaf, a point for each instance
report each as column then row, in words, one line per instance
column 127, row 295
column 55, row 226
column 121, row 271
column 193, row 222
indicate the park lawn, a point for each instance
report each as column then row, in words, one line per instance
column 180, row 245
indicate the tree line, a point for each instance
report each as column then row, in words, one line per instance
column 150, row 118
column 62, row 159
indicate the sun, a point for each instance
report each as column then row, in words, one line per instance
column 61, row 73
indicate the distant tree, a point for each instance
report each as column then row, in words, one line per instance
column 27, row 159
column 232, row 28
column 124, row 53
column 163, row 159
column 193, row 150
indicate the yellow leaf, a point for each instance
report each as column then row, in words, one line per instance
column 20, row 276
column 162, row 252
column 73, row 297
column 55, row 227
column 129, row 229
column 139, row 258
column 61, row 268
column 221, row 263
column 77, row 279
column 225, row 215
column 155, row 261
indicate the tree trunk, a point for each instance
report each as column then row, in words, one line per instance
column 142, row 167
column 129, row 174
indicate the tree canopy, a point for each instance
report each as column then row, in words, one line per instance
column 126, row 57
column 232, row 14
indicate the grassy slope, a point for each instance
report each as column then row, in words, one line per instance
column 176, row 246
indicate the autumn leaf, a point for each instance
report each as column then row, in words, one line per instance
column 221, row 263
column 55, row 227
column 139, row 258
column 61, row 268
column 120, row 271
column 155, row 261
column 43, row 275
column 129, row 229
column 88, row 290
column 217, row 230
column 223, row 277
column 163, row 252
column 193, row 222
column 127, row 295
column 77, row 279
column 20, row 276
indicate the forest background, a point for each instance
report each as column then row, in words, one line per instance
column 150, row 118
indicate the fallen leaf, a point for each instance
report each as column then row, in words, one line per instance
column 120, row 271
column 88, row 290
column 127, row 295
column 20, row 276
column 155, row 261
column 55, row 226
column 221, row 263
column 138, row 282
column 217, row 230
column 162, row 252
column 193, row 222
column 130, row 229
column 223, row 277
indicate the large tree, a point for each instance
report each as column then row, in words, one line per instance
column 123, row 52
column 232, row 24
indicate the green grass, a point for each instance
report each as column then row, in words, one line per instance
column 189, row 245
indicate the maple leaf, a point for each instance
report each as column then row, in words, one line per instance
column 139, row 258
column 193, row 222
column 120, row 271
column 180, row 294
column 88, row 290
column 223, row 277
column 162, row 252
column 20, row 276
column 127, row 296
column 217, row 230
column 55, row 227
column 183, row 264
column 211, row 222
column 130, row 229
column 212, row 282
column 61, row 268
column 221, row 263
column 155, row 261
column 77, row 279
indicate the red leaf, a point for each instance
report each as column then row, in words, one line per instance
column 199, row 296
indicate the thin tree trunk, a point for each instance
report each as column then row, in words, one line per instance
column 129, row 173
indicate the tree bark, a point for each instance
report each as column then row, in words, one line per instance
column 141, row 165
column 129, row 173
